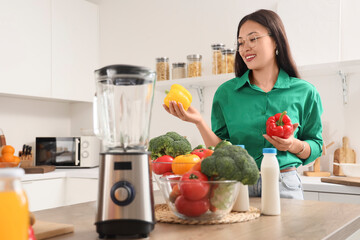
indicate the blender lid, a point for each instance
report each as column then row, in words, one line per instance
column 125, row 74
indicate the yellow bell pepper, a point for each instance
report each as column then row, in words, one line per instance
column 183, row 163
column 179, row 94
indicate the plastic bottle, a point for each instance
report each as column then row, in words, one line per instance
column 14, row 212
column 270, row 171
column 242, row 201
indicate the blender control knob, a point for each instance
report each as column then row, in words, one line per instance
column 122, row 193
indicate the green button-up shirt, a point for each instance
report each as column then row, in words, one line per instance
column 240, row 110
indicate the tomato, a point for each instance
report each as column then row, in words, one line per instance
column 194, row 186
column 192, row 208
column 174, row 193
column 162, row 164
column 171, row 176
column 202, row 152
column 31, row 233
column 184, row 163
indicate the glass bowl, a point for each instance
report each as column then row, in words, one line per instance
column 174, row 169
column 182, row 197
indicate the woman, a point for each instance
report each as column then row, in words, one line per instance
column 267, row 82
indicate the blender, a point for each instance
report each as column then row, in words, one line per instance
column 122, row 113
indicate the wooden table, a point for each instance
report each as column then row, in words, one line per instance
column 298, row 220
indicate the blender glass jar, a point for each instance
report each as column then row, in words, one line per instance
column 217, row 57
column 122, row 107
column 14, row 212
column 228, row 60
column 194, row 65
column 162, row 69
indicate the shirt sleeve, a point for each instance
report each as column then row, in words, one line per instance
column 312, row 127
column 218, row 124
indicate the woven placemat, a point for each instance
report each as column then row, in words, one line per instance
column 163, row 214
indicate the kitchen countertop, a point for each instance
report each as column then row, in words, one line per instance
column 300, row 219
column 309, row 183
column 63, row 173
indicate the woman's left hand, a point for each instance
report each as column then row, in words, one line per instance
column 282, row 144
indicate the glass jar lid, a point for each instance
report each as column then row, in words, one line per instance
column 162, row 59
column 228, row 51
column 217, row 46
column 178, row 64
column 194, row 57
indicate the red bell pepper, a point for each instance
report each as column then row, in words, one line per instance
column 202, row 152
column 279, row 125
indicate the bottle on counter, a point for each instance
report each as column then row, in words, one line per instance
column 162, row 69
column 270, row 173
column 242, row 201
column 178, row 70
column 217, row 57
column 228, row 60
column 194, row 65
column 14, row 212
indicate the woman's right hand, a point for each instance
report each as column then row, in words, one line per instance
column 191, row 115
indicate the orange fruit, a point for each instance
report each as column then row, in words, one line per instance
column 7, row 157
column 8, row 149
column 16, row 160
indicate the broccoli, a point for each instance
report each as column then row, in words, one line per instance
column 231, row 162
column 171, row 144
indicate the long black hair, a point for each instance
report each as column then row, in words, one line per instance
column 272, row 22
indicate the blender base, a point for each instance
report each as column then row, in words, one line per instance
column 121, row 228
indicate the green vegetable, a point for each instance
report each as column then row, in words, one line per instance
column 231, row 162
column 199, row 147
column 211, row 148
column 222, row 144
column 171, row 144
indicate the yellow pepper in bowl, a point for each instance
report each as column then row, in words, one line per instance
column 179, row 94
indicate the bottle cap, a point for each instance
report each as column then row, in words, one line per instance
column 269, row 150
column 243, row 146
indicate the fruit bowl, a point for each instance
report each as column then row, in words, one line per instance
column 350, row 169
column 198, row 200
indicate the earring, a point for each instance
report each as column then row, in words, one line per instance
column 277, row 52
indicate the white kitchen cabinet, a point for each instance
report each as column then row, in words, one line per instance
column 313, row 29
column 25, row 47
column 45, row 194
column 341, row 198
column 80, row 190
column 75, row 43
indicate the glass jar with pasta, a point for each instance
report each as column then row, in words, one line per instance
column 194, row 65
column 162, row 69
column 217, row 57
column 228, row 60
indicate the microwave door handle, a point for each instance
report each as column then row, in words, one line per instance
column 77, row 155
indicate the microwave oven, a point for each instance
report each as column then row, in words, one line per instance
column 67, row 152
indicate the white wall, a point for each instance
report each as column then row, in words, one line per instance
column 24, row 119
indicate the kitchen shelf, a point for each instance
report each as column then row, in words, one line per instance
column 204, row 81
column 342, row 69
